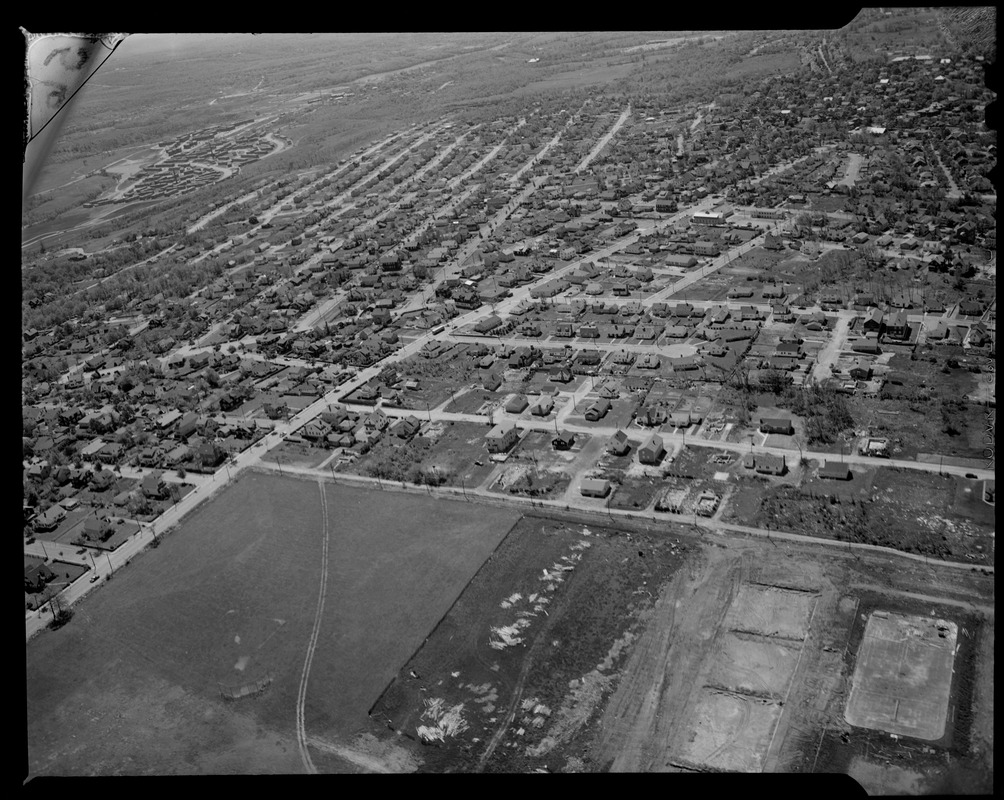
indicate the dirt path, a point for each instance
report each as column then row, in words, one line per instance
column 831, row 350
column 301, row 733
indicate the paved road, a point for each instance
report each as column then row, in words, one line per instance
column 713, row 525
column 252, row 456
column 604, row 140
column 678, row 438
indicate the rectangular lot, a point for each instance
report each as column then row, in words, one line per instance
column 753, row 665
column 903, row 676
column 731, row 731
column 771, row 611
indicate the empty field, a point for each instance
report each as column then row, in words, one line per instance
column 131, row 684
column 771, row 611
column 903, row 676
column 731, row 731
column 753, row 666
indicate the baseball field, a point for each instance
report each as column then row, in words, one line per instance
column 257, row 636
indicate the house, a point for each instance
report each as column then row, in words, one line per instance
column 211, row 454
column 542, row 407
column 652, row 450
column 681, row 419
column 618, row 444
column 502, row 437
column 860, row 370
column 594, row 487
column 36, row 576
column 97, row 529
column 563, row 441
column 866, row 347
column 765, row 463
column 49, row 519
column 153, row 485
column 316, row 430
column 776, row 425
column 187, row 425
column 873, row 321
column 516, row 404
column 835, row 470
column 560, row 375
column 598, row 410
column 406, row 428
column 897, row 325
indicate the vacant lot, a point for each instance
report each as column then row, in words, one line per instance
column 917, row 512
column 903, row 676
column 514, row 675
column 130, row 686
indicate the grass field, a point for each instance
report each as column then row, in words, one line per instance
column 130, row 686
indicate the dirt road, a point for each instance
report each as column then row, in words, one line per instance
column 647, row 710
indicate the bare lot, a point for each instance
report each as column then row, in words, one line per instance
column 526, row 655
column 913, row 511
column 903, row 676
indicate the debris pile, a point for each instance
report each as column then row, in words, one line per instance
column 446, row 722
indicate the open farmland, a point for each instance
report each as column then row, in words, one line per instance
column 229, row 600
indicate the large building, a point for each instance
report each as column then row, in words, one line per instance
column 502, row 437
column 708, row 218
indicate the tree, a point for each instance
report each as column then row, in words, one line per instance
column 58, row 607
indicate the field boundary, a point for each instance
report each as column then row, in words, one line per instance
column 648, row 523
column 439, row 622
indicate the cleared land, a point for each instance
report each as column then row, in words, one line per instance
column 903, row 676
column 132, row 685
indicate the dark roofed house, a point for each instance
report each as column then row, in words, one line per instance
column 563, row 440
column 36, row 576
column 765, row 463
column 516, row 404
column 835, row 470
column 776, row 425
column 187, row 425
column 652, row 450
column 860, row 370
column 873, row 320
column 406, row 428
column 560, row 375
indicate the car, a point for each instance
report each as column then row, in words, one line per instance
column 970, row 475
column 95, row 578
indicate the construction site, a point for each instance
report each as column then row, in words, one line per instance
column 580, row 649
